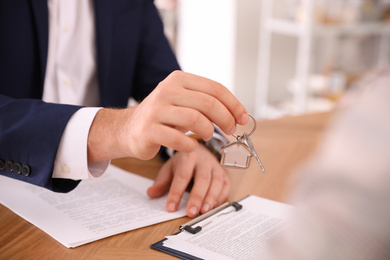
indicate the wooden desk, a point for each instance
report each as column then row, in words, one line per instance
column 281, row 144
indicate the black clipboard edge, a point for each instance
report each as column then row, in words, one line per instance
column 160, row 247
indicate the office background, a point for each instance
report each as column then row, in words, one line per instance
column 280, row 57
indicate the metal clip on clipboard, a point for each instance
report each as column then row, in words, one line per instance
column 194, row 230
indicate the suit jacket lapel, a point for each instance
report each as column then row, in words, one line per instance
column 103, row 25
column 41, row 16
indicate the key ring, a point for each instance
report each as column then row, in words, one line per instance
column 238, row 137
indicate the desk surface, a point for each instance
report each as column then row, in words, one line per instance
column 282, row 145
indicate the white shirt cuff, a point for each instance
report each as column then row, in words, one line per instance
column 71, row 161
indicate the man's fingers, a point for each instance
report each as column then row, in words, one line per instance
column 189, row 119
column 212, row 109
column 182, row 175
column 162, row 181
column 214, row 192
column 174, row 139
column 201, row 186
column 223, row 195
column 216, row 90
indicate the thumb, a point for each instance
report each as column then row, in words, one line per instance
column 162, row 182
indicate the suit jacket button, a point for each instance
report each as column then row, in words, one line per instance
column 26, row 170
column 9, row 165
column 17, row 168
column 2, row 165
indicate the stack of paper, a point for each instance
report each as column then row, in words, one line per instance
column 97, row 208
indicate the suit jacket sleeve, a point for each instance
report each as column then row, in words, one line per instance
column 157, row 59
column 30, row 132
column 133, row 56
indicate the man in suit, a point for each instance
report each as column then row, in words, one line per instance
column 62, row 61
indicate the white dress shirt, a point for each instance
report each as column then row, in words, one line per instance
column 71, row 79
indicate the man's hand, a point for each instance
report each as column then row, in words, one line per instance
column 180, row 103
column 211, row 184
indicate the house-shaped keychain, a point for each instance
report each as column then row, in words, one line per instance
column 236, row 155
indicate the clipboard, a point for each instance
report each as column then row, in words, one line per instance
column 160, row 247
column 193, row 229
column 245, row 227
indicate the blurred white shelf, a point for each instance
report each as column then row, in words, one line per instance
column 358, row 29
column 292, row 28
column 304, row 32
column 283, row 27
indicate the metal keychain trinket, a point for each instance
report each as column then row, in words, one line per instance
column 239, row 153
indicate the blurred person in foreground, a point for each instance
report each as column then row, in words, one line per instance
column 342, row 196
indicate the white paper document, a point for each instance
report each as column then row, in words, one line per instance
column 97, row 208
column 242, row 234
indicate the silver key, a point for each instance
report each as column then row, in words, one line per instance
column 248, row 142
column 238, row 154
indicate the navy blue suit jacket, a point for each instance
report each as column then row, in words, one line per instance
column 133, row 56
